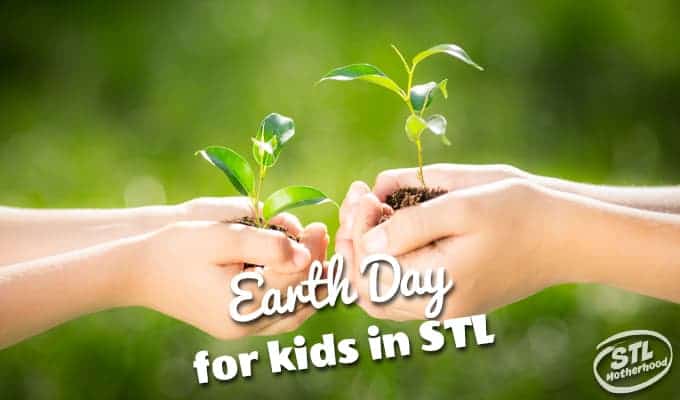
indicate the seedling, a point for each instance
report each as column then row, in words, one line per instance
column 418, row 98
column 275, row 132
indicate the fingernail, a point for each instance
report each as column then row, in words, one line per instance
column 301, row 256
column 375, row 240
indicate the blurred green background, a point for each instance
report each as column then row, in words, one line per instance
column 102, row 104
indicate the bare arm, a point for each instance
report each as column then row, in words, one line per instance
column 661, row 198
column 27, row 234
column 37, row 295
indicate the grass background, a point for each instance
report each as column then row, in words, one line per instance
column 103, row 104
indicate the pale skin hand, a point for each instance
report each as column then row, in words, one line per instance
column 27, row 234
column 459, row 176
column 183, row 270
column 508, row 239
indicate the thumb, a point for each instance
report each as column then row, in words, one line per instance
column 367, row 215
column 416, row 226
column 315, row 238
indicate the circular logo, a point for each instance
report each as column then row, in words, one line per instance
column 632, row 360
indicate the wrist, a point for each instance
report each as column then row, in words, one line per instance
column 565, row 236
column 131, row 271
column 150, row 218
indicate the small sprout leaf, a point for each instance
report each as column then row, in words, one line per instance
column 263, row 147
column 364, row 72
column 264, row 152
column 235, row 167
column 450, row 49
column 275, row 130
column 442, row 88
column 278, row 126
column 292, row 197
column 414, row 127
column 437, row 125
column 420, row 95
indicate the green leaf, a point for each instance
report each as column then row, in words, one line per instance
column 414, row 127
column 275, row 130
column 263, row 152
column 437, row 125
column 292, row 197
column 233, row 165
column 450, row 49
column 442, row 88
column 421, row 95
column 263, row 147
column 364, row 72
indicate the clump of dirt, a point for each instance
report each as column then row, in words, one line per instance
column 250, row 221
column 410, row 196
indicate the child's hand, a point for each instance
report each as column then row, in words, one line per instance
column 490, row 238
column 446, row 176
column 188, row 269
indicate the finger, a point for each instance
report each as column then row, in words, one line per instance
column 288, row 221
column 369, row 211
column 416, row 226
column 217, row 209
column 272, row 282
column 348, row 207
column 345, row 248
column 286, row 323
column 367, row 215
column 281, row 281
column 315, row 239
column 443, row 253
column 391, row 180
column 232, row 243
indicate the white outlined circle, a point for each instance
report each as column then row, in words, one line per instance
column 604, row 352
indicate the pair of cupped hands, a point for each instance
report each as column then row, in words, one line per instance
column 486, row 231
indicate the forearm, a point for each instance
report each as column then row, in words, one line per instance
column 40, row 294
column 628, row 248
column 27, row 234
column 663, row 199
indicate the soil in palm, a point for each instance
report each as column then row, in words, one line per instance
column 410, row 196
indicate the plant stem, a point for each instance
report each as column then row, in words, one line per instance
column 408, row 90
column 419, row 146
column 421, row 177
column 256, row 200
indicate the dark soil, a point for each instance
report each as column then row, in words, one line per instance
column 250, row 221
column 410, row 196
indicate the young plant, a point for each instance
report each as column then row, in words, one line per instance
column 275, row 132
column 417, row 97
